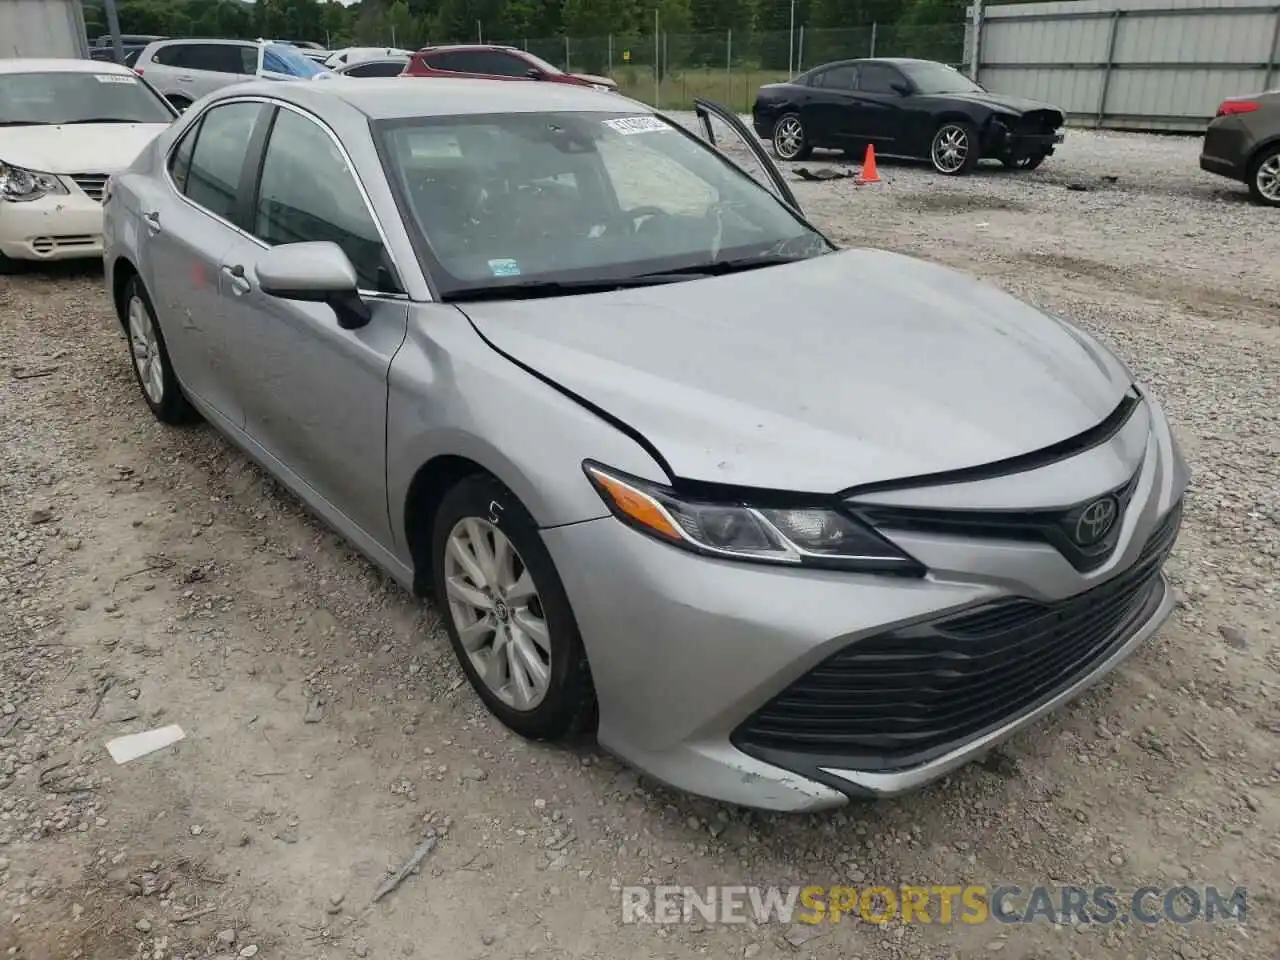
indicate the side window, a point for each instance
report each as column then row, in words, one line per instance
column 218, row 157
column 167, row 56
column 307, row 192
column 378, row 68
column 248, row 62
column 445, row 61
column 180, row 159
column 839, row 78
column 503, row 65
column 877, row 78
column 216, row 57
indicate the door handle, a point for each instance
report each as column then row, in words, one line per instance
column 185, row 77
column 239, row 282
column 152, row 219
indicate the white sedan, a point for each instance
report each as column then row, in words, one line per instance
column 65, row 127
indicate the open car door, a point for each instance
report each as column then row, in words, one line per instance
column 770, row 177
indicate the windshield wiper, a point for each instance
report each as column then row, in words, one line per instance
column 25, row 123
column 717, row 268
column 562, row 288
column 71, row 123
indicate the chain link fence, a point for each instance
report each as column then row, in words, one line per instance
column 675, row 68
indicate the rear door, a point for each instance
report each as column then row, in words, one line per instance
column 828, row 116
column 880, row 111
column 185, row 237
column 759, row 165
column 205, row 67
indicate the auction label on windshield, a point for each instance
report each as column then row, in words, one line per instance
column 114, row 78
column 629, row 125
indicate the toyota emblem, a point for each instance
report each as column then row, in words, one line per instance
column 1095, row 521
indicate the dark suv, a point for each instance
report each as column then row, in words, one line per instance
column 490, row 62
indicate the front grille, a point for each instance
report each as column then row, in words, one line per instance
column 91, row 183
column 1057, row 528
column 900, row 698
column 1039, row 122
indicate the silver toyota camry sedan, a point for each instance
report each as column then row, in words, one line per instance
column 782, row 524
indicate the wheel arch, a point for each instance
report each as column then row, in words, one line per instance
column 1259, row 151
column 122, row 271
column 430, row 483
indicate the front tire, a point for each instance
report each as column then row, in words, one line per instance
column 507, row 613
column 954, row 150
column 179, row 102
column 9, row 266
column 1264, row 178
column 151, row 365
column 790, row 139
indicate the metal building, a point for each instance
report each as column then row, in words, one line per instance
column 1129, row 64
column 42, row 28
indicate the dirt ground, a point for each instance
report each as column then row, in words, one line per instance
column 152, row 576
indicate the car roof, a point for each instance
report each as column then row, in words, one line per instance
column 394, row 98
column 446, row 47
column 208, row 40
column 67, row 65
column 892, row 61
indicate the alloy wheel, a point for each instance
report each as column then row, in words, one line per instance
column 497, row 613
column 788, row 138
column 950, row 148
column 1267, row 178
column 145, row 346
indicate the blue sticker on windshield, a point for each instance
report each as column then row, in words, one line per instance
column 504, row 268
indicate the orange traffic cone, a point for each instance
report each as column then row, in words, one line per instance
column 869, row 174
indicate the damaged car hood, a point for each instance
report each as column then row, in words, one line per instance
column 849, row 368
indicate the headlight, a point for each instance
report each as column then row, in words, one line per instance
column 20, row 185
column 810, row 535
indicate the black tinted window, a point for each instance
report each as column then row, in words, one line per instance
column 838, row 78
column 216, row 57
column 309, row 193
column 377, row 68
column 180, row 159
column 502, row 65
column 218, row 158
column 877, row 78
column 456, row 62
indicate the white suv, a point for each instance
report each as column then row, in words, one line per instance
column 186, row 70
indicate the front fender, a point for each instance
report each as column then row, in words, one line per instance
column 451, row 394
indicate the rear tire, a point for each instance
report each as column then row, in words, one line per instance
column 790, row 139
column 507, row 614
column 954, row 150
column 1264, row 177
column 150, row 358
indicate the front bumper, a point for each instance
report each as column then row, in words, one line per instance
column 685, row 649
column 56, row 227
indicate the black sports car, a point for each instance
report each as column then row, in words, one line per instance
column 906, row 108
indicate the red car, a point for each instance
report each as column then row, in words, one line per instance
column 491, row 62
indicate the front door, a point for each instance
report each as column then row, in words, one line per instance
column 186, row 233
column 315, row 395
column 880, row 111
column 767, row 172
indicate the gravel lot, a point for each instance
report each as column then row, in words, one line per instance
column 152, row 576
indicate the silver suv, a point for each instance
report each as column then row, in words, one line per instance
column 185, row 70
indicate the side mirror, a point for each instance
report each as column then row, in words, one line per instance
column 903, row 89
column 314, row 272
column 533, row 73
